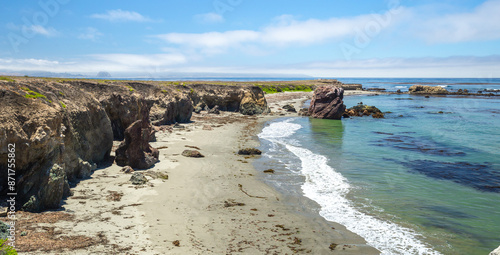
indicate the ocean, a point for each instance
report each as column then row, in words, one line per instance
column 424, row 180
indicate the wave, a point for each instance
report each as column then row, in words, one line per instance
column 329, row 189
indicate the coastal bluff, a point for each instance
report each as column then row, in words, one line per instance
column 63, row 129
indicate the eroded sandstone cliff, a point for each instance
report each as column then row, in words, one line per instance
column 63, row 129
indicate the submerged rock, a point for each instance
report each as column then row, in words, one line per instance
column 327, row 103
column 364, row 110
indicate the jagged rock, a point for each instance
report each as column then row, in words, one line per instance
column 253, row 102
column 138, row 179
column 192, row 154
column 4, row 230
column 135, row 150
column 289, row 108
column 363, row 110
column 249, row 151
column 53, row 192
column 421, row 89
column 327, row 103
column 45, row 134
column 198, row 109
column 86, row 169
column 214, row 110
column 127, row 170
column 304, row 112
column 496, row 251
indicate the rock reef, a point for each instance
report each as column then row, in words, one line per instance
column 63, row 129
column 327, row 103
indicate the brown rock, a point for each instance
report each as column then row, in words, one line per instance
column 135, row 150
column 421, row 89
column 249, row 151
column 192, row 154
column 327, row 103
column 127, row 170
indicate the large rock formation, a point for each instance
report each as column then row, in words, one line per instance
column 421, row 89
column 248, row 100
column 58, row 131
column 327, row 103
column 63, row 128
column 135, row 150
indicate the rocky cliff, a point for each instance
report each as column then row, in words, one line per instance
column 63, row 129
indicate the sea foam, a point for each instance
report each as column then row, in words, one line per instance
column 329, row 189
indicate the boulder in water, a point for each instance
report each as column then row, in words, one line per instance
column 327, row 103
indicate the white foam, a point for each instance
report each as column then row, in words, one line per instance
column 329, row 189
column 401, row 87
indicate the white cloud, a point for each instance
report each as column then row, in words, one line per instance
column 482, row 23
column 209, row 18
column 161, row 64
column 90, row 33
column 285, row 31
column 121, row 16
column 40, row 30
column 96, row 63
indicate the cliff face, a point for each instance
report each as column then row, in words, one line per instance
column 62, row 130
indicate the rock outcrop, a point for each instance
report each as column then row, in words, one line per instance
column 63, row 129
column 248, row 100
column 421, row 89
column 363, row 110
column 59, row 132
column 327, row 103
column 135, row 151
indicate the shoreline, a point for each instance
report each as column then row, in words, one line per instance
column 217, row 204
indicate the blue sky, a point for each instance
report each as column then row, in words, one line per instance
column 376, row 38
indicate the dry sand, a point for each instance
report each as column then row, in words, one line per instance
column 217, row 204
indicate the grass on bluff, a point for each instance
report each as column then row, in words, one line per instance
column 32, row 94
column 3, row 78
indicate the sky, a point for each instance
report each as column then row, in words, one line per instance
column 334, row 38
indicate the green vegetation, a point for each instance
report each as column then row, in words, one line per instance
column 60, row 93
column 33, row 94
column 3, row 78
column 62, row 104
column 130, row 89
column 191, row 92
column 6, row 249
column 164, row 91
column 271, row 89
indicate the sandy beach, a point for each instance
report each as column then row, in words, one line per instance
column 218, row 204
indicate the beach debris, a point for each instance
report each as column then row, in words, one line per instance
column 215, row 110
column 192, row 147
column 333, row 246
column 114, row 196
column 249, row 151
column 192, row 154
column 176, row 243
column 138, row 179
column 127, row 170
column 241, row 188
column 231, row 203
column 282, row 227
column 289, row 108
column 269, row 171
column 363, row 110
column 327, row 103
column 207, row 127
column 297, row 240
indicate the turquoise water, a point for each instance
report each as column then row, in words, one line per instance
column 417, row 182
